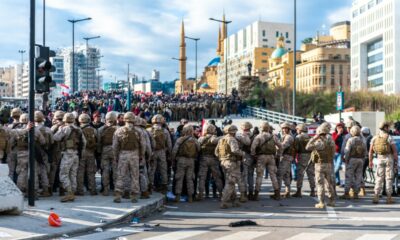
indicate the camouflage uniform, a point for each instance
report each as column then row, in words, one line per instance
column 264, row 148
column 140, row 125
column 286, row 160
column 323, row 150
column 129, row 151
column 12, row 155
column 73, row 142
column 244, row 142
column 184, row 155
column 56, row 150
column 208, row 160
column 230, row 155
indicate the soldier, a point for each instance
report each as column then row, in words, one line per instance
column 72, row 144
column 355, row 151
column 323, row 150
column 12, row 156
column 42, row 159
column 384, row 146
column 245, row 143
column 264, row 148
column 129, row 151
column 184, row 155
column 303, row 160
column 56, row 150
column 284, row 168
column 208, row 143
column 162, row 147
column 108, row 162
column 87, row 163
column 230, row 155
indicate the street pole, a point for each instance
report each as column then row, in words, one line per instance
column 31, row 137
column 295, row 58
column 340, row 111
column 196, row 40
column 44, row 23
column 128, row 100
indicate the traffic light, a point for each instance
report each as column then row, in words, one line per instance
column 43, row 80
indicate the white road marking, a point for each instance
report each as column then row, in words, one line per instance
column 377, row 236
column 217, row 215
column 243, row 235
column 178, row 235
column 310, row 236
column 331, row 212
column 4, row 235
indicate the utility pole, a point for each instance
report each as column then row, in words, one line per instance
column 196, row 40
column 128, row 100
column 44, row 23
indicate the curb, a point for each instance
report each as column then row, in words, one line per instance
column 143, row 211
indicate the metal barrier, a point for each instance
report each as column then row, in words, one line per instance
column 274, row 117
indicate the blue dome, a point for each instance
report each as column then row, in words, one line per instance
column 204, row 85
column 214, row 62
column 278, row 53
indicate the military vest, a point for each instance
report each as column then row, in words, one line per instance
column 324, row 155
column 267, row 148
column 382, row 146
column 188, row 148
column 22, row 142
column 159, row 139
column 129, row 139
column 358, row 149
column 73, row 141
column 3, row 139
column 207, row 147
column 90, row 137
column 46, row 137
column 108, row 134
column 302, row 143
column 291, row 150
column 224, row 150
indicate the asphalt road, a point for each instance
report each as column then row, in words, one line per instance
column 291, row 219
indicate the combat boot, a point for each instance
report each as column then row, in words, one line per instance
column 150, row 188
column 66, row 198
column 243, row 197
column 277, row 195
column 389, row 200
column 312, row 193
column 190, row 198
column 134, row 198
column 250, row 196
column 351, row 193
column 235, row 204
column 320, row 205
column 71, row 196
column 126, row 195
column 298, row 193
column 345, row 196
column 375, row 200
column 145, row 195
column 106, row 192
column 177, row 198
column 199, row 197
column 45, row 193
column 79, row 193
column 117, row 198
column 93, row 193
column 255, row 196
column 224, row 205
column 331, row 202
column 362, row 192
column 62, row 192
column 287, row 194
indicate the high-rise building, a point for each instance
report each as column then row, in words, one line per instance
column 21, row 80
column 155, row 75
column 7, row 75
column 375, row 46
column 250, row 47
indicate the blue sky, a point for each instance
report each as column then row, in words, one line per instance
column 145, row 33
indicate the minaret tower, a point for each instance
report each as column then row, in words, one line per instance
column 182, row 59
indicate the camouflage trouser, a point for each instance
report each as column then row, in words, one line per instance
column 108, row 163
column 284, row 171
column 323, row 176
column 22, row 170
column 214, row 113
column 269, row 162
column 232, row 177
column 209, row 162
column 69, row 169
column 159, row 161
column 184, row 168
column 301, row 166
column 354, row 174
column 87, row 166
column 128, row 166
column 12, row 163
column 42, row 173
column 384, row 172
column 191, row 116
column 143, row 177
column 247, row 174
column 54, row 166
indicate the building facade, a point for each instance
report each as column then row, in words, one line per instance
column 21, row 80
column 375, row 46
column 7, row 75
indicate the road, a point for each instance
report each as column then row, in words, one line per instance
column 287, row 219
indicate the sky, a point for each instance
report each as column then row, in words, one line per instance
column 145, row 33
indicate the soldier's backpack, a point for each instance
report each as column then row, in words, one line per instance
column 74, row 140
column 159, row 139
column 267, row 148
column 90, row 137
column 291, row 150
column 208, row 148
column 108, row 134
column 322, row 155
column 130, row 140
column 357, row 150
column 224, row 150
column 188, row 148
column 302, row 143
column 382, row 146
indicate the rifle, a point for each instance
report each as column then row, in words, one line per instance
column 308, row 165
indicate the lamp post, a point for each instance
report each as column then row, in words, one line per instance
column 294, row 58
column 22, row 62
column 226, row 51
column 73, row 21
column 196, row 40
column 180, row 59
column 87, row 59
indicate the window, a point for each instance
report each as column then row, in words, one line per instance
column 375, row 83
column 288, row 41
column 264, row 54
column 375, row 70
column 277, row 34
column 332, row 69
column 323, row 69
column 263, row 33
column 287, row 35
column 264, row 61
column 371, row 3
column 265, row 40
column 375, row 58
column 375, row 45
column 340, row 69
column 355, row 13
column 362, row 9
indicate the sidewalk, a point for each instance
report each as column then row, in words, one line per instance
column 84, row 214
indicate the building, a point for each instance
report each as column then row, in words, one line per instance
column 183, row 85
column 110, row 86
column 249, row 48
column 57, row 76
column 375, row 46
column 325, row 62
column 7, row 75
column 169, row 87
column 155, row 75
column 147, row 86
column 21, row 80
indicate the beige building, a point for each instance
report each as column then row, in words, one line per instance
column 7, row 76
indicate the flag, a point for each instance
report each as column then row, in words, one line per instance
column 64, row 89
column 159, row 93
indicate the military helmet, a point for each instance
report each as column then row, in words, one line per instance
column 365, row 130
column 302, row 127
column 38, row 117
column 383, row 125
column 230, row 129
column 187, row 130
column 4, row 115
column 350, row 124
column 246, row 126
column 16, row 112
column 326, row 125
column 355, row 131
column 84, row 118
column 322, row 130
column 265, row 126
column 157, row 119
column 59, row 115
column 286, row 125
column 24, row 118
column 129, row 117
column 69, row 118
column 111, row 117
column 210, row 129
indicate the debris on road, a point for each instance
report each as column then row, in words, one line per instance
column 98, row 230
column 243, row 223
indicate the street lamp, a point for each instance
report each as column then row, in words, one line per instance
column 87, row 59
column 180, row 59
column 73, row 21
column 196, row 40
column 98, row 75
column 226, row 51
